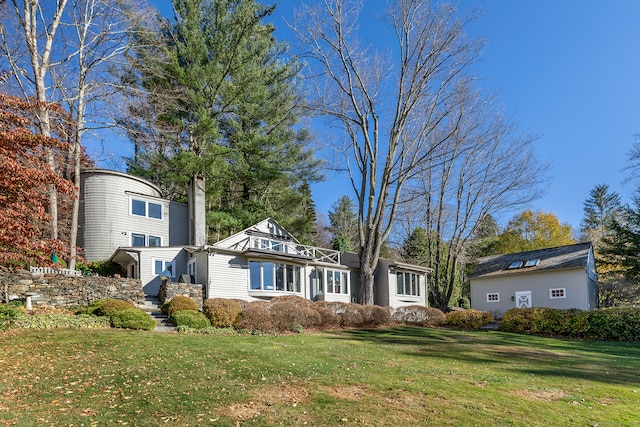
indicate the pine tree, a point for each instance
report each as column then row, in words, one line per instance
column 227, row 89
column 600, row 210
column 343, row 225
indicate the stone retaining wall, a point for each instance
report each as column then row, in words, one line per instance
column 57, row 290
column 168, row 290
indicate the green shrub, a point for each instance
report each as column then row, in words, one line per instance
column 615, row 324
column 256, row 317
column 103, row 268
column 191, row 318
column 108, row 307
column 9, row 314
column 180, row 303
column 468, row 319
column 132, row 318
column 464, row 303
column 222, row 313
column 419, row 315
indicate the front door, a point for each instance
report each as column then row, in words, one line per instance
column 523, row 299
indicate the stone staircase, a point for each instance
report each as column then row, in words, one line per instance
column 152, row 306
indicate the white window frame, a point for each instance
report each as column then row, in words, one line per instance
column 146, row 239
column 146, row 208
column 562, row 290
column 165, row 264
column 345, row 289
column 297, row 272
column 408, row 290
column 191, row 267
column 490, row 294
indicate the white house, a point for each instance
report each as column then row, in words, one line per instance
column 563, row 277
column 124, row 218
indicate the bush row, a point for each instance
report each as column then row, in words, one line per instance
column 613, row 324
column 121, row 314
column 468, row 319
column 291, row 314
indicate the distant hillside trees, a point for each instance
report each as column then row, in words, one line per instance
column 215, row 96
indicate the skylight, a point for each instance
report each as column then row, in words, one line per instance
column 516, row 264
column 532, row 262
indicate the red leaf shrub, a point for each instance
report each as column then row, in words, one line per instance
column 290, row 313
column 24, row 177
column 375, row 315
column 256, row 316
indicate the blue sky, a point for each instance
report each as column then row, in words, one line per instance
column 568, row 71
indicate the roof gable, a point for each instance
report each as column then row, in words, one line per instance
column 561, row 257
column 268, row 227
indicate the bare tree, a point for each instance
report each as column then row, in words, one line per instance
column 390, row 108
column 38, row 29
column 483, row 168
column 69, row 59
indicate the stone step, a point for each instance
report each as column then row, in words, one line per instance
column 162, row 321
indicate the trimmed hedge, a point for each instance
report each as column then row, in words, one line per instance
column 222, row 313
column 468, row 319
column 610, row 324
column 132, row 318
column 179, row 303
column 191, row 319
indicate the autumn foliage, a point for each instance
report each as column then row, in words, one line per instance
column 24, row 176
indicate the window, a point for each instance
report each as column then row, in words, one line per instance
column 265, row 275
column 494, row 297
column 337, row 282
column 407, row 283
column 514, row 265
column 558, row 293
column 270, row 245
column 532, row 262
column 139, row 240
column 147, row 209
column 191, row 268
column 164, row 268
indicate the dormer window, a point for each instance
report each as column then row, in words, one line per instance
column 514, row 265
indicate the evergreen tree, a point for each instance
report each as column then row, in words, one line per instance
column 600, row 210
column 222, row 103
column 343, row 225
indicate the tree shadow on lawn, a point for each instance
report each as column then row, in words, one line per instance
column 607, row 362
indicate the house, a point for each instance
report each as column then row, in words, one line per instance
column 125, row 219
column 563, row 277
column 119, row 210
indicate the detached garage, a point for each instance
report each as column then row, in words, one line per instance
column 564, row 277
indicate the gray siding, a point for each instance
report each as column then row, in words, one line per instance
column 178, row 224
column 105, row 219
column 574, row 281
column 150, row 281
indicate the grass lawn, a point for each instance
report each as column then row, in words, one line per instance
column 398, row 376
